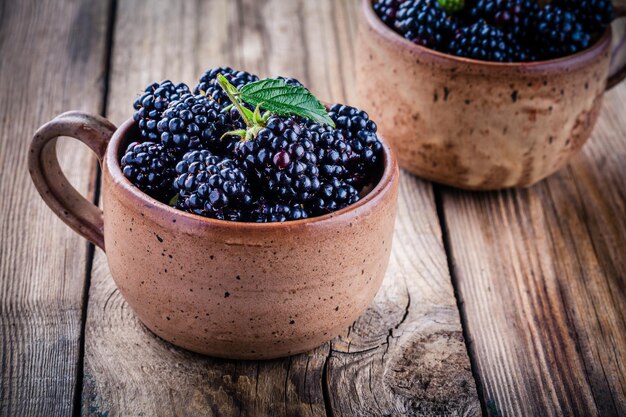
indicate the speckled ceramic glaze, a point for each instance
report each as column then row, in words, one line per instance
column 235, row 290
column 475, row 124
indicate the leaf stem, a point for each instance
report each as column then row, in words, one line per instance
column 232, row 92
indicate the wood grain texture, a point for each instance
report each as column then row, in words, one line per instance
column 52, row 60
column 541, row 274
column 405, row 356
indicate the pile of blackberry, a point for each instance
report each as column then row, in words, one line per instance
column 293, row 169
column 498, row 30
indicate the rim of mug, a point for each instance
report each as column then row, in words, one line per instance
column 389, row 34
column 111, row 160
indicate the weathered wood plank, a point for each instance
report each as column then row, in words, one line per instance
column 407, row 355
column 541, row 276
column 52, row 59
column 400, row 358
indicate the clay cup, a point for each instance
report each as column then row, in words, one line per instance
column 227, row 289
column 476, row 124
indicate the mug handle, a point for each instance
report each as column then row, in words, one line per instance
column 618, row 69
column 75, row 210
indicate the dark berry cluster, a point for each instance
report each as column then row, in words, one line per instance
column 151, row 167
column 208, row 83
column 482, row 41
column 152, row 103
column 291, row 169
column 212, row 186
column 425, row 23
column 193, row 122
column 282, row 161
column 498, row 30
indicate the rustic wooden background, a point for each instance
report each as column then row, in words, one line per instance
column 506, row 304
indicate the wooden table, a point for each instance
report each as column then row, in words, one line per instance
column 507, row 303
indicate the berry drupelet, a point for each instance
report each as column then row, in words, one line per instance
column 483, row 42
column 152, row 103
column 558, row 33
column 212, row 187
column 195, row 122
column 150, row 167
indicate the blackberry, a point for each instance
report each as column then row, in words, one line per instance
column 335, row 156
column 387, row 10
column 365, row 153
column 522, row 53
column 151, row 104
column 333, row 195
column 558, row 33
column 208, row 83
column 212, row 187
column 290, row 81
column 484, row 42
column 594, row 15
column 425, row 23
column 194, row 122
column 266, row 212
column 150, row 167
column 510, row 16
column 281, row 161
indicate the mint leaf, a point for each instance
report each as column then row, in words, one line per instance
column 278, row 97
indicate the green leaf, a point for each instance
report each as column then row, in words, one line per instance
column 281, row 98
column 173, row 201
column 452, row 6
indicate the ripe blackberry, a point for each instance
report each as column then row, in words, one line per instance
column 194, row 122
column 150, row 167
column 425, row 23
column 290, row 81
column 152, row 103
column 594, row 15
column 266, row 212
column 558, row 33
column 510, row 16
column 522, row 53
column 360, row 134
column 208, row 83
column 212, row 187
column 333, row 195
column 387, row 10
column 335, row 156
column 281, row 161
column 484, row 42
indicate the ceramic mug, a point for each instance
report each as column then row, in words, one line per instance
column 234, row 290
column 476, row 124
